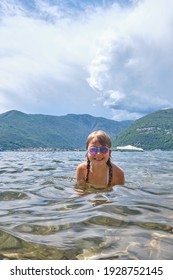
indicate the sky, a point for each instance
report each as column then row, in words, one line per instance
column 107, row 58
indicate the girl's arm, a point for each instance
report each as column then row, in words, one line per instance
column 118, row 175
column 80, row 172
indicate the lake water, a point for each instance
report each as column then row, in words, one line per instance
column 41, row 217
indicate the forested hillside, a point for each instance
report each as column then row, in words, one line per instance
column 154, row 131
column 20, row 130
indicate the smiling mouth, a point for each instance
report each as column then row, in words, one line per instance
column 98, row 159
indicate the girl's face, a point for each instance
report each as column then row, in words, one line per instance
column 98, row 158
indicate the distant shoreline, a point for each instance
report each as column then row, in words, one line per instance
column 42, row 150
column 114, row 149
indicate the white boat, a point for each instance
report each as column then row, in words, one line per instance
column 129, row 148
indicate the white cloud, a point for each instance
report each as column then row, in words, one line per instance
column 120, row 115
column 41, row 61
column 137, row 59
column 116, row 62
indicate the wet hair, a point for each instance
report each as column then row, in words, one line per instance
column 104, row 140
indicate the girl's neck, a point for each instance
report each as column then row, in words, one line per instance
column 99, row 175
column 98, row 170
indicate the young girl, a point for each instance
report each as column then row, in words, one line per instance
column 99, row 170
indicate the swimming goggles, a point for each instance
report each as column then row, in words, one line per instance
column 93, row 150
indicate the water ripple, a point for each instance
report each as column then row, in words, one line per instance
column 43, row 216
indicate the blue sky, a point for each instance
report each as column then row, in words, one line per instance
column 105, row 58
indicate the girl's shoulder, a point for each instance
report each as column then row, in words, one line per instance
column 118, row 175
column 81, row 171
column 117, row 168
column 82, row 166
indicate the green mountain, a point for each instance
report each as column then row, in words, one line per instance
column 20, row 130
column 154, row 131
